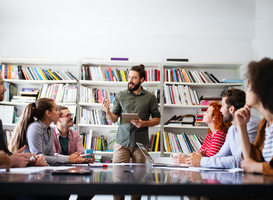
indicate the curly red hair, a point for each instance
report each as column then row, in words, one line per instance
column 219, row 123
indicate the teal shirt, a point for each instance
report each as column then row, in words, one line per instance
column 64, row 145
column 144, row 104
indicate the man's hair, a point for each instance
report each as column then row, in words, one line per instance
column 60, row 108
column 141, row 71
column 235, row 97
column 260, row 78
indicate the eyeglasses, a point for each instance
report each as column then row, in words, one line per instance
column 68, row 116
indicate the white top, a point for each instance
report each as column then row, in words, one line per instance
column 268, row 143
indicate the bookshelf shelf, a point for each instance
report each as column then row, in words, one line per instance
column 197, row 65
column 39, row 82
column 184, row 106
column 97, row 126
column 186, row 127
column 114, row 83
column 9, row 124
column 206, row 85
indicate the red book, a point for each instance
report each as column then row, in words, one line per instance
column 172, row 94
column 110, row 73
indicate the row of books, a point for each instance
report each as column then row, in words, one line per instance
column 180, row 95
column 93, row 73
column 95, row 117
column 95, row 95
column 10, row 92
column 8, row 114
column 60, row 93
column 154, row 144
column 189, row 76
column 183, row 142
column 28, row 73
column 95, row 143
column 7, row 134
column 102, row 143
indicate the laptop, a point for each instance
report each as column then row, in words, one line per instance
column 153, row 163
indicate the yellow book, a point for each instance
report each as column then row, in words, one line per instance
column 123, row 76
column 42, row 74
column 52, row 74
column 167, row 141
column 157, row 141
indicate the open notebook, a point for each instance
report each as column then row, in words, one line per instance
column 151, row 160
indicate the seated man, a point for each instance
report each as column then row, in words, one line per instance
column 229, row 155
column 66, row 141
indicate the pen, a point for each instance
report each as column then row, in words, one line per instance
column 34, row 157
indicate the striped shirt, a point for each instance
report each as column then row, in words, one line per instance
column 268, row 143
column 213, row 144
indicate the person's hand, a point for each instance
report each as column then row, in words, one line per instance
column 242, row 115
column 89, row 160
column 194, row 159
column 106, row 104
column 203, row 152
column 250, row 165
column 19, row 159
column 40, row 160
column 75, row 158
column 4, row 160
column 137, row 122
column 181, row 158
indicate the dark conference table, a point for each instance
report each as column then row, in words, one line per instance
column 138, row 179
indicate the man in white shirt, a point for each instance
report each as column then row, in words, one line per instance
column 229, row 155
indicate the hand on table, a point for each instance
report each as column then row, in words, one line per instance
column 19, row 159
column 4, row 160
column 181, row 158
column 194, row 159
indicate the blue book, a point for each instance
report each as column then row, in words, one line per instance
column 232, row 81
column 170, row 92
column 38, row 74
column 107, row 75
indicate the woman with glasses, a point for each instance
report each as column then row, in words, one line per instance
column 37, row 134
column 66, row 141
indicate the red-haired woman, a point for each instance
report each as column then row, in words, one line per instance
column 216, row 133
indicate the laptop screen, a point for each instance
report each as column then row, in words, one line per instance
column 145, row 153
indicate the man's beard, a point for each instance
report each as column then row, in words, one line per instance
column 228, row 117
column 134, row 88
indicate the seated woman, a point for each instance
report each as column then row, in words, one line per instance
column 38, row 135
column 66, row 141
column 216, row 133
column 258, row 157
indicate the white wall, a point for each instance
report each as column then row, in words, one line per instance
column 201, row 30
column 263, row 42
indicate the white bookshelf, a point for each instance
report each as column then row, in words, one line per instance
column 219, row 70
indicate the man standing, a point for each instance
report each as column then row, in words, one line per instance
column 133, row 100
column 229, row 155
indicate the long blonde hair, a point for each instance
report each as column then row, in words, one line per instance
column 32, row 110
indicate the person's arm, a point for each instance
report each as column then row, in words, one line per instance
column 152, row 122
column 4, row 160
column 36, row 145
column 20, row 159
column 224, row 158
column 242, row 117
